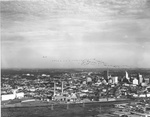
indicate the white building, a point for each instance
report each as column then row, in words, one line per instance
column 8, row 97
column 84, row 82
column 27, row 74
column 44, row 75
column 140, row 78
column 19, row 95
column 127, row 75
column 115, row 80
column 135, row 81
column 110, row 81
column 89, row 79
column 12, row 96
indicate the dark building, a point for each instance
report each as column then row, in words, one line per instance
column 138, row 76
column 106, row 74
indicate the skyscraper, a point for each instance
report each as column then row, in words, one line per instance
column 106, row 74
column 127, row 75
column 140, row 78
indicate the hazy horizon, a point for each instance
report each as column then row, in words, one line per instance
column 75, row 34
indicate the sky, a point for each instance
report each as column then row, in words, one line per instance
column 38, row 33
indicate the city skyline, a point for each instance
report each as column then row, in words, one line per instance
column 36, row 33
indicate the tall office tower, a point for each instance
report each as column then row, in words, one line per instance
column 140, row 78
column 106, row 75
column 127, row 75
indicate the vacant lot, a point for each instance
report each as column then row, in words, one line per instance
column 58, row 111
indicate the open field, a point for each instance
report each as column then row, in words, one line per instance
column 61, row 110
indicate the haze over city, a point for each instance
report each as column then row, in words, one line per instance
column 36, row 33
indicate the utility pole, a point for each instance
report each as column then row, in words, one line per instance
column 52, row 107
column 54, row 88
column 107, row 92
column 67, row 106
column 83, row 104
column 100, row 109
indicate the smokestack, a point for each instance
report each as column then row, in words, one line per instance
column 62, row 86
column 54, row 89
column 14, row 92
